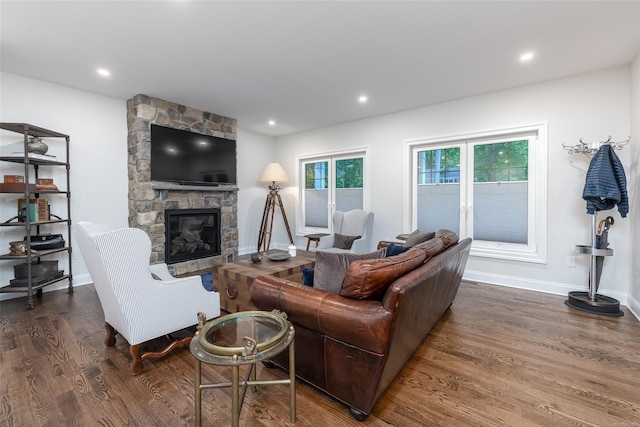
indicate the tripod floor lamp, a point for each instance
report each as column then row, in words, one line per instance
column 272, row 174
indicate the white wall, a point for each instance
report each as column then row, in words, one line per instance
column 255, row 151
column 97, row 126
column 590, row 106
column 634, row 190
column 98, row 155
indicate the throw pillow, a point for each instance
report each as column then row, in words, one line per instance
column 394, row 249
column 207, row 281
column 418, row 237
column 307, row 276
column 331, row 267
column 370, row 279
column 343, row 242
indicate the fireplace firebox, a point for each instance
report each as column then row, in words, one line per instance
column 191, row 234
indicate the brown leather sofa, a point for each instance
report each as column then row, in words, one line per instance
column 353, row 348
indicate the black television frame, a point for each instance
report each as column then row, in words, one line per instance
column 190, row 158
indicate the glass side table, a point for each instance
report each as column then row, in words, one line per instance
column 243, row 338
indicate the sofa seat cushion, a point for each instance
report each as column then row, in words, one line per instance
column 369, row 279
column 331, row 267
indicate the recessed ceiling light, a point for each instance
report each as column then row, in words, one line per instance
column 527, row 56
column 103, row 72
column 272, row 122
column 362, row 99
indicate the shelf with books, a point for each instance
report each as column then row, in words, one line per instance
column 33, row 211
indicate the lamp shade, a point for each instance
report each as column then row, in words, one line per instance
column 273, row 173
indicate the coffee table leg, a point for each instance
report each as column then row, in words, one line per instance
column 198, row 394
column 292, row 378
column 235, row 394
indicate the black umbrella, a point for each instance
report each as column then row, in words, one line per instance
column 602, row 242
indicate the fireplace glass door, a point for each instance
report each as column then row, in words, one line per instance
column 191, row 234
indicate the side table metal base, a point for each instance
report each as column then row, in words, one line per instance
column 261, row 341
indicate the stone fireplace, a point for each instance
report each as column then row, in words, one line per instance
column 149, row 201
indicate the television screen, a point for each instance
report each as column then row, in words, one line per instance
column 191, row 158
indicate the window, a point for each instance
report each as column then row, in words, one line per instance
column 331, row 182
column 489, row 186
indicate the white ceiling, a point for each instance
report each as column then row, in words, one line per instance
column 303, row 64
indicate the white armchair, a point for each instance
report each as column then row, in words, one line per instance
column 351, row 223
column 140, row 301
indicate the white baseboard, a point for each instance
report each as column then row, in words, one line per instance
column 540, row 286
column 633, row 306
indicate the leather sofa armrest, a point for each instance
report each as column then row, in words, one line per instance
column 362, row 323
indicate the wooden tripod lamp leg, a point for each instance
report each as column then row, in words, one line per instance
column 264, row 225
column 284, row 216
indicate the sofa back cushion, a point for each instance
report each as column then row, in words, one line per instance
column 331, row 267
column 431, row 247
column 369, row 279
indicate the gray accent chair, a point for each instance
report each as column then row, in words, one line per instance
column 351, row 223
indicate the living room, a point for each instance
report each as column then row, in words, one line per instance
column 592, row 105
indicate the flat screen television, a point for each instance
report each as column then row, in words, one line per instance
column 191, row 158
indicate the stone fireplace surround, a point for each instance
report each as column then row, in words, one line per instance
column 148, row 199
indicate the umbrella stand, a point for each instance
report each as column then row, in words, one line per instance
column 591, row 301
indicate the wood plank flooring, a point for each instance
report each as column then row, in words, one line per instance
column 498, row 357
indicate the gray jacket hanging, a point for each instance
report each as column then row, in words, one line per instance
column 606, row 183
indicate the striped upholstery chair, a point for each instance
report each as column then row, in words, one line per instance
column 140, row 301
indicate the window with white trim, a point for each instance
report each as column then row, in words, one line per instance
column 489, row 186
column 328, row 183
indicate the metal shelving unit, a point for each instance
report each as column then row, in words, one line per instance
column 31, row 171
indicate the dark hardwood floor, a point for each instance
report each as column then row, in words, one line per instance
column 498, row 357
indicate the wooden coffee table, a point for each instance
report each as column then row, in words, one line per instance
column 234, row 279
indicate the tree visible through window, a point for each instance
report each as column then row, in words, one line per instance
column 490, row 187
column 330, row 184
column 349, row 173
column 504, row 161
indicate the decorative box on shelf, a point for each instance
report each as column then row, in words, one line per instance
column 12, row 179
column 46, row 184
column 38, row 269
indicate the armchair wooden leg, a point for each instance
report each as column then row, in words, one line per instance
column 136, row 360
column 137, row 357
column 110, row 341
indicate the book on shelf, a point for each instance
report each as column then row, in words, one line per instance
column 46, row 187
column 19, row 155
column 39, row 209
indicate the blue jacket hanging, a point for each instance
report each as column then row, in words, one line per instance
column 606, row 183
